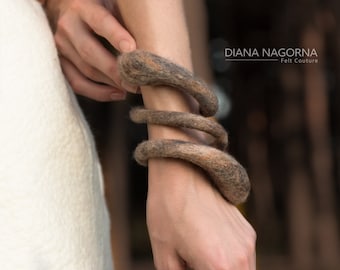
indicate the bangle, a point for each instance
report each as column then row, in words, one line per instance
column 227, row 175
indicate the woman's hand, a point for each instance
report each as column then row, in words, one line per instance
column 89, row 67
column 191, row 226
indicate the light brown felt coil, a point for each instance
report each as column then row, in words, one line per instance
column 143, row 68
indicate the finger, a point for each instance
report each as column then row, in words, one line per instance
column 95, row 55
column 89, row 48
column 82, row 86
column 66, row 49
column 101, row 21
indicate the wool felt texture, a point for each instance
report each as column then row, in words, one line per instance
column 144, row 68
column 52, row 208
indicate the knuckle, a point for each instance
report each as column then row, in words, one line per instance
column 221, row 265
column 251, row 244
column 110, row 69
column 218, row 259
column 242, row 260
column 112, row 72
column 250, row 241
column 90, row 72
column 237, row 262
column 247, row 249
column 85, row 50
column 62, row 25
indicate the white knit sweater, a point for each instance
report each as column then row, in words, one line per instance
column 52, row 209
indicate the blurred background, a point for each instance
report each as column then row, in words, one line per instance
column 283, row 123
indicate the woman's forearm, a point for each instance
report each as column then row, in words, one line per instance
column 160, row 27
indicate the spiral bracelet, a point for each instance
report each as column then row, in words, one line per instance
column 143, row 68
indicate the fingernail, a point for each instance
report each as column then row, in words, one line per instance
column 118, row 95
column 124, row 46
column 129, row 87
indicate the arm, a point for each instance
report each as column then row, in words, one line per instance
column 189, row 222
column 147, row 27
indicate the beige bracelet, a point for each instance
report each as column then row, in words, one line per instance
column 143, row 68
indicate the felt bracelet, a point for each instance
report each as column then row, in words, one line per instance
column 144, row 68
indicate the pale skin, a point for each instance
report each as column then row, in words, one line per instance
column 89, row 67
column 190, row 225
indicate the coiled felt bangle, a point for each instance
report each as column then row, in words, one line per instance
column 144, row 68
